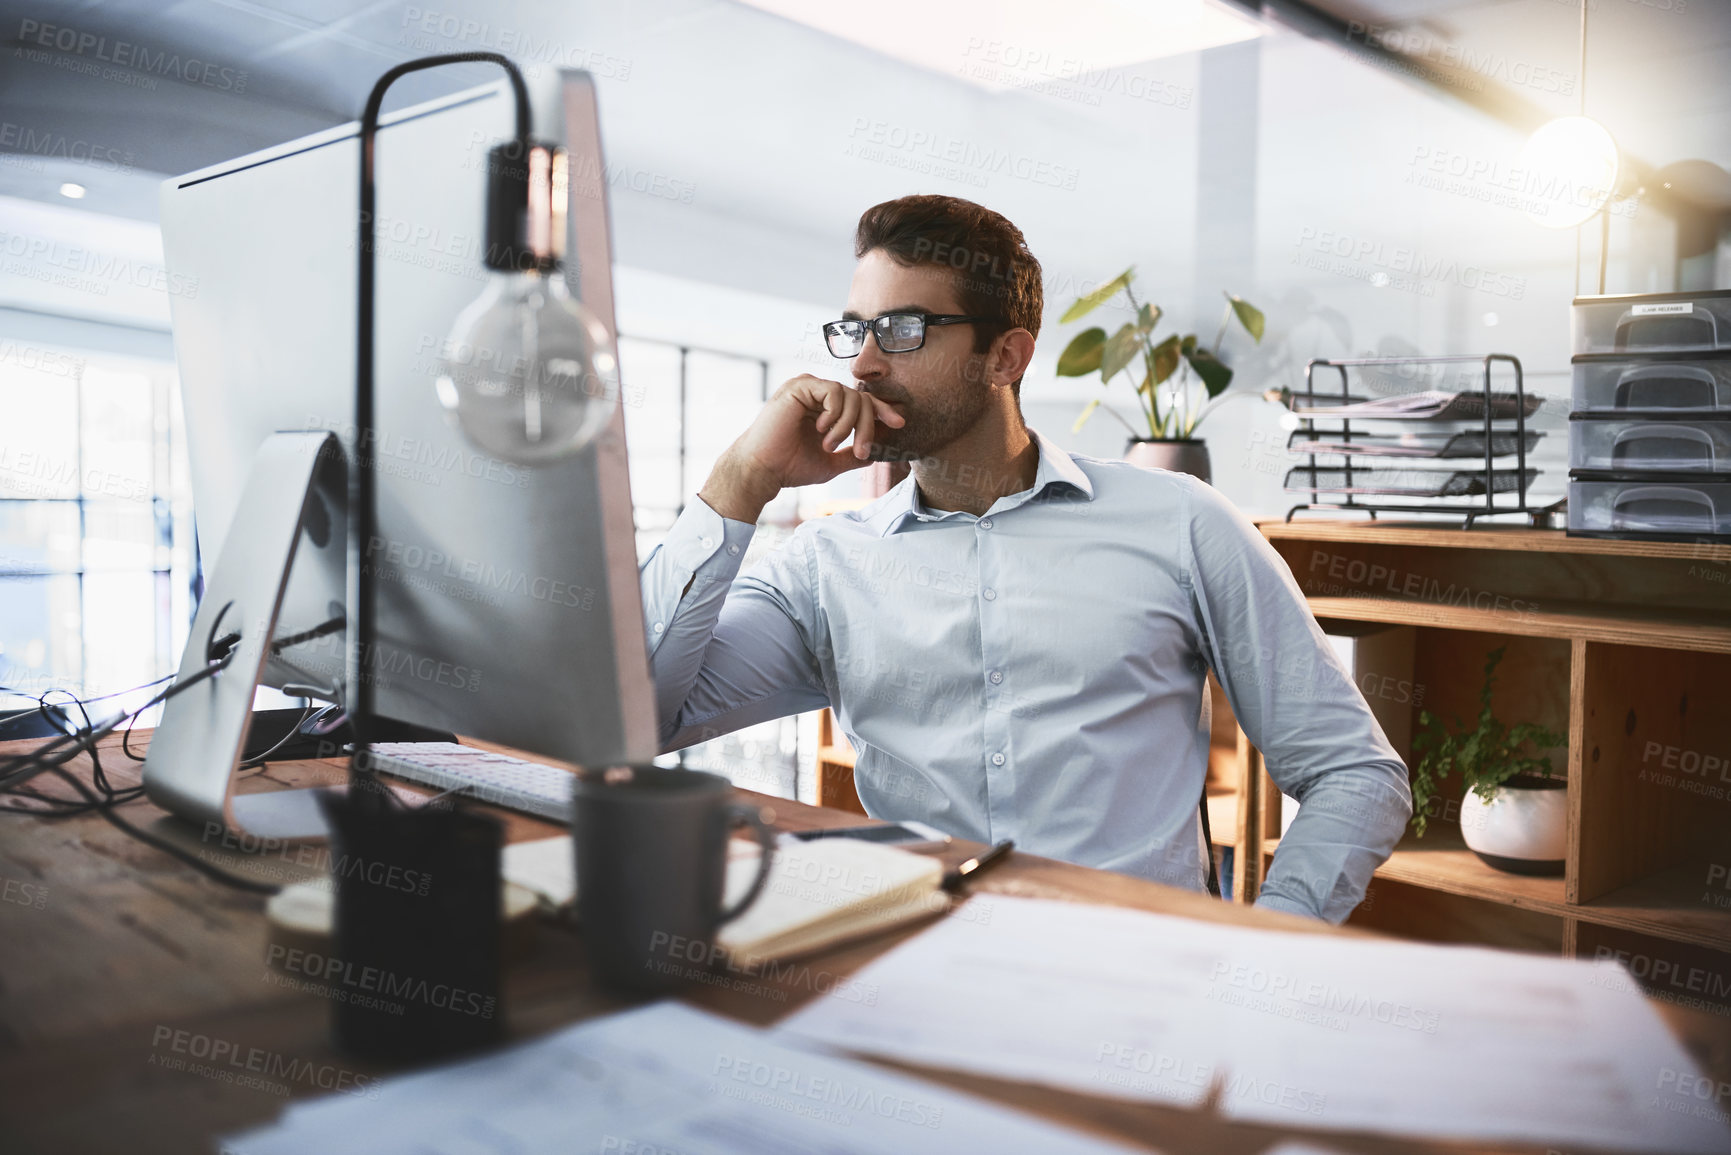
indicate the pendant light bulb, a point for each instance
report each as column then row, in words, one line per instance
column 528, row 373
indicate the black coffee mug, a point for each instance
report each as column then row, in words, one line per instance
column 651, row 846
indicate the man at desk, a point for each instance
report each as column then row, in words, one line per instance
column 1015, row 639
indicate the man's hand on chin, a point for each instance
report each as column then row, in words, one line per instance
column 794, row 441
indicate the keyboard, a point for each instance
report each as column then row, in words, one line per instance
column 532, row 787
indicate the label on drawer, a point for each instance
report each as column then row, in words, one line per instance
column 1680, row 308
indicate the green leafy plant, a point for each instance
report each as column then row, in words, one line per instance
column 1487, row 757
column 1133, row 350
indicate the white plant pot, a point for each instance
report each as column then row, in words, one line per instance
column 1522, row 830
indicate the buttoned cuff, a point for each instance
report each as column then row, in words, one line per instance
column 702, row 549
column 701, row 534
column 1276, row 902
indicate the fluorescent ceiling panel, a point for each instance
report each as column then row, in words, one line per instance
column 992, row 43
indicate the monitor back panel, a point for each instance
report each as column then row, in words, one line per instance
column 508, row 600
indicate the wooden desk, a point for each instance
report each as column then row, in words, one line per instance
column 129, row 946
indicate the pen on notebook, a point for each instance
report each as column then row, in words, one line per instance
column 954, row 878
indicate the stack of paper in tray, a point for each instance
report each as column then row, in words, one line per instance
column 819, row 893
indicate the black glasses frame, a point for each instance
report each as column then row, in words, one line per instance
column 879, row 328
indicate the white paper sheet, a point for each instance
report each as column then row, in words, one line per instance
column 546, row 866
column 664, row 1078
column 1305, row 1031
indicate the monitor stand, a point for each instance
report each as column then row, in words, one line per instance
column 294, row 491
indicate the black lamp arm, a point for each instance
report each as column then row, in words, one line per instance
column 363, row 490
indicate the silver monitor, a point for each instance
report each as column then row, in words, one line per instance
column 508, row 603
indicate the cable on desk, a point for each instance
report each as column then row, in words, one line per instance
column 218, row 652
column 105, row 798
column 168, row 848
column 19, row 717
column 57, row 752
column 97, row 774
column 54, row 754
column 310, row 716
column 109, row 798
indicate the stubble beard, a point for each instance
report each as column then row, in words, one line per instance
column 928, row 426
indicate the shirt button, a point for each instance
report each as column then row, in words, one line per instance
column 659, row 627
column 709, row 543
column 997, row 759
column 997, row 677
column 989, row 594
column 985, row 523
column 733, row 549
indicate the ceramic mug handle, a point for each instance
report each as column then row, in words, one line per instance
column 737, row 815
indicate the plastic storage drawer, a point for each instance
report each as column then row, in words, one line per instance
column 1650, row 445
column 1642, row 506
column 1653, row 323
column 1681, row 383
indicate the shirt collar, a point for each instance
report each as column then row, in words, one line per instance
column 1055, row 468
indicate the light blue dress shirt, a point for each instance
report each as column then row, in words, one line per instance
column 1038, row 673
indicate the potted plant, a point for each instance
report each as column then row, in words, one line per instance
column 1170, row 414
column 1514, row 813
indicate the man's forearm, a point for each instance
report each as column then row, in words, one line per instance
column 684, row 583
column 737, row 489
column 727, row 650
column 1348, row 823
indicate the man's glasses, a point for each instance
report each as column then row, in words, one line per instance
column 895, row 332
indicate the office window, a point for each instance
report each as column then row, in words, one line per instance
column 649, row 375
column 96, row 546
column 723, row 394
column 683, row 407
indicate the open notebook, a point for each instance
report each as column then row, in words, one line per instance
column 819, row 893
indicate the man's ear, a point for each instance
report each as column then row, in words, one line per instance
column 1009, row 357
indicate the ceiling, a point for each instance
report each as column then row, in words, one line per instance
column 744, row 107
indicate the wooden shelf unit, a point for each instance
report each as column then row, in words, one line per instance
column 835, row 758
column 1625, row 647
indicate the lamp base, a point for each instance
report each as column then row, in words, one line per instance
column 418, row 928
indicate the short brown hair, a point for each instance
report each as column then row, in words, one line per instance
column 987, row 257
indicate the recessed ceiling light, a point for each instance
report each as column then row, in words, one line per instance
column 1002, row 44
column 72, row 191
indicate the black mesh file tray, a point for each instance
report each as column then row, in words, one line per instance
column 1435, row 446
column 1490, row 399
column 1366, row 481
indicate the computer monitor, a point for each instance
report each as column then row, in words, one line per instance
column 508, row 601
